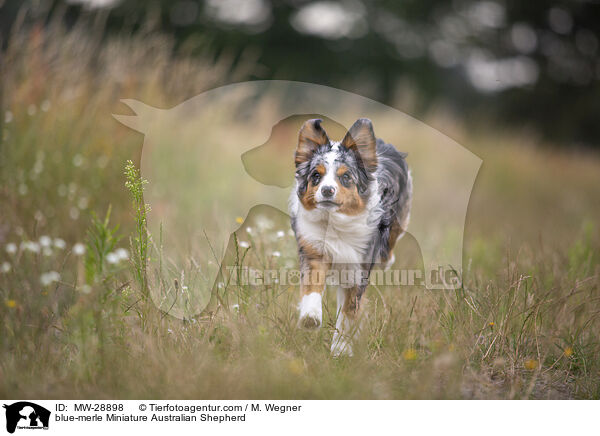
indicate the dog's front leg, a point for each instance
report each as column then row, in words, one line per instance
column 314, row 272
column 348, row 323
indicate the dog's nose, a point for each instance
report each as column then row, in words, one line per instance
column 327, row 191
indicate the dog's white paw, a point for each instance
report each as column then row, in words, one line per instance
column 340, row 347
column 311, row 311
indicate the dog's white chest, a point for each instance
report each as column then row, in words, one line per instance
column 344, row 240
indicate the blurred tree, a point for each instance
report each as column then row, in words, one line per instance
column 524, row 64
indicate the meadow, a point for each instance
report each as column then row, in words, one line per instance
column 76, row 262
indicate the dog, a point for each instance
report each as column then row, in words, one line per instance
column 350, row 204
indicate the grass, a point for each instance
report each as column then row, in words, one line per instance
column 77, row 323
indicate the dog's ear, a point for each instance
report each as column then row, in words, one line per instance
column 361, row 139
column 311, row 137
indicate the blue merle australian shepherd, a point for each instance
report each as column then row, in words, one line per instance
column 350, row 205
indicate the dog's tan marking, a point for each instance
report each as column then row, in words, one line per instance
column 309, row 250
column 313, row 278
column 352, row 304
column 308, row 199
column 395, row 232
column 351, row 202
column 342, row 169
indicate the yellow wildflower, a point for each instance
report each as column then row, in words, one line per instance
column 239, row 220
column 531, row 364
column 568, row 351
column 11, row 304
column 409, row 354
column 296, row 366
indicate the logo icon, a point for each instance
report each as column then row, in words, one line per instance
column 26, row 415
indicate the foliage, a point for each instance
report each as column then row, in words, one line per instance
column 140, row 242
column 101, row 241
column 510, row 62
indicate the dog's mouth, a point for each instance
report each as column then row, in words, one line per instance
column 328, row 203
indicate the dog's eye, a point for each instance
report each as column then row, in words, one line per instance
column 346, row 179
column 316, row 178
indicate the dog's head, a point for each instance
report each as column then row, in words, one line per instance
column 335, row 176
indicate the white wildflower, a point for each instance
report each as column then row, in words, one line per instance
column 5, row 267
column 45, row 241
column 34, row 247
column 112, row 258
column 86, row 289
column 48, row 278
column 248, row 230
column 60, row 243
column 47, row 251
column 236, row 307
column 78, row 249
column 83, row 203
column 11, row 248
column 77, row 160
column 102, row 161
column 244, row 244
column 122, row 254
column 280, row 234
column 74, row 213
column 38, row 167
column 264, row 223
column 276, row 254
